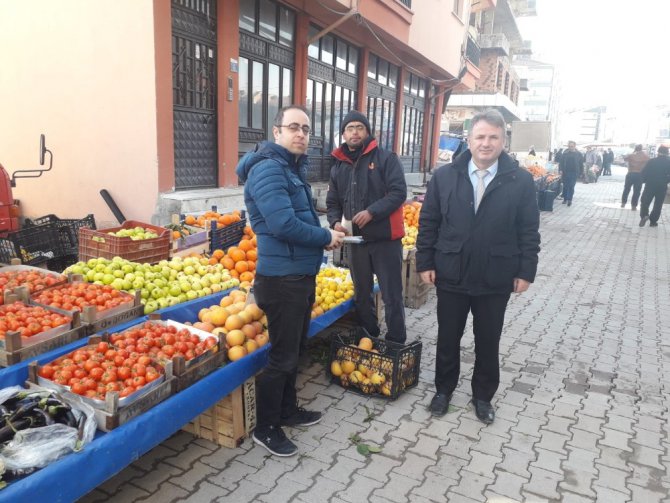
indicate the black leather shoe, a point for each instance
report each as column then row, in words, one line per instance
column 440, row 404
column 484, row 411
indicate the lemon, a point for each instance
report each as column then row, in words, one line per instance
column 336, row 368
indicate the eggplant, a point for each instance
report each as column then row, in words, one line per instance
column 44, row 418
column 23, row 410
column 7, row 433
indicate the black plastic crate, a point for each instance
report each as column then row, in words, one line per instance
column 399, row 364
column 225, row 237
column 68, row 229
column 59, row 264
column 32, row 245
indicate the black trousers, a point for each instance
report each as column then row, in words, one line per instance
column 632, row 180
column 383, row 258
column 287, row 302
column 488, row 312
column 657, row 194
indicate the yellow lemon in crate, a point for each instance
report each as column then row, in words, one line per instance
column 336, row 368
column 348, row 366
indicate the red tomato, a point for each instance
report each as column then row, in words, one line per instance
column 47, row 371
column 78, row 389
column 123, row 373
column 139, row 381
column 128, row 390
column 96, row 373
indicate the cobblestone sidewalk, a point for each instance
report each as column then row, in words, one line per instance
column 582, row 410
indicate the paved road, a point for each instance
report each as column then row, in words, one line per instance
column 582, row 411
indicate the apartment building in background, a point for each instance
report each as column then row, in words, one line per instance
column 499, row 85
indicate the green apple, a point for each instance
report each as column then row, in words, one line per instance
column 191, row 294
column 150, row 306
column 174, row 289
column 163, row 303
column 127, row 284
column 108, row 278
column 90, row 275
column 117, row 284
column 144, row 293
column 185, row 286
column 156, row 293
column 172, row 301
column 118, row 273
column 138, row 283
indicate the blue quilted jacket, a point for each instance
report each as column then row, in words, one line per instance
column 281, row 211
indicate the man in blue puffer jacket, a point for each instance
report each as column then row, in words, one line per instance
column 290, row 250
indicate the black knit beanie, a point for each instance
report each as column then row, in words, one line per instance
column 355, row 116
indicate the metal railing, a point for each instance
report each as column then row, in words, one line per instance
column 494, row 41
column 472, row 51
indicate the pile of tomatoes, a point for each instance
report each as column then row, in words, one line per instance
column 76, row 296
column 34, row 279
column 95, row 370
column 163, row 341
column 28, row 320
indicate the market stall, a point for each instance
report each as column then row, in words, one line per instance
column 121, row 446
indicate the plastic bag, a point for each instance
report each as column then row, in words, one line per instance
column 37, row 447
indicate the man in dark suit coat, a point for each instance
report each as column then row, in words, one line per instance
column 478, row 242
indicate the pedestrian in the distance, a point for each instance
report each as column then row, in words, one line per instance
column 608, row 159
column 478, row 242
column 655, row 176
column 570, row 166
column 636, row 163
column 290, row 251
column 367, row 188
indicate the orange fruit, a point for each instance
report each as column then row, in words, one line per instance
column 236, row 254
column 235, row 338
column 228, row 263
column 218, row 317
column 242, row 266
column 202, row 312
column 176, row 234
column 262, row 339
column 249, row 331
column 251, row 264
column 234, row 274
column 365, row 343
column 236, row 352
column 245, row 245
column 226, row 219
column 226, row 301
column 252, row 255
column 258, row 326
column 218, row 254
column 234, row 322
column 213, row 261
column 246, row 276
column 251, row 346
column 189, row 220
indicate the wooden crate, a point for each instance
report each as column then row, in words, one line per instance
column 112, row 415
column 231, row 420
column 415, row 292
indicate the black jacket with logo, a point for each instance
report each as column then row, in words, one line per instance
column 375, row 181
column 482, row 253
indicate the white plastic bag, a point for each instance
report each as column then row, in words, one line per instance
column 37, row 447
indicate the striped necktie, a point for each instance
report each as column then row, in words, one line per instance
column 481, row 173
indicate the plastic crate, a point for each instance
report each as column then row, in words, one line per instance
column 32, row 245
column 398, row 363
column 68, row 229
column 225, row 237
column 100, row 244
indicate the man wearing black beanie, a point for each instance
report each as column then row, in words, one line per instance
column 366, row 193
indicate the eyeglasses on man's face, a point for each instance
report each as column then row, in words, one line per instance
column 354, row 127
column 294, row 127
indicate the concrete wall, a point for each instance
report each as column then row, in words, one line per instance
column 83, row 73
column 438, row 33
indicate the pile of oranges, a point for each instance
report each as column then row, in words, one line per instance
column 240, row 260
column 222, row 220
column 244, row 326
column 411, row 212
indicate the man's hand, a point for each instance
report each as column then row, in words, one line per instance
column 520, row 285
column 428, row 277
column 339, row 227
column 362, row 218
column 335, row 239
